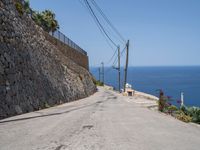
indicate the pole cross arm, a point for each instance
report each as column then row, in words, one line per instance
column 115, row 68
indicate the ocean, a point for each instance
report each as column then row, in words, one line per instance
column 172, row 80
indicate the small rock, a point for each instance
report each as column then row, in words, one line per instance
column 1, row 68
column 18, row 109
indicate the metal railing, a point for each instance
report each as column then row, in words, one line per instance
column 61, row 37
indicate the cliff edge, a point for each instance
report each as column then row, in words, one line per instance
column 34, row 73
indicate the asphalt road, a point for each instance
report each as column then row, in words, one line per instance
column 104, row 121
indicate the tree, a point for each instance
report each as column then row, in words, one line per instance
column 37, row 17
column 46, row 20
column 50, row 24
column 27, row 7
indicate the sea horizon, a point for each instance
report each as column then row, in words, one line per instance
column 149, row 79
column 152, row 66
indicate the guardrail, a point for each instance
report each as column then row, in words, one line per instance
column 62, row 37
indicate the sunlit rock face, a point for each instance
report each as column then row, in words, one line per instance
column 35, row 73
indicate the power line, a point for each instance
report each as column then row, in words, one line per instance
column 87, row 8
column 97, row 20
column 123, row 51
column 107, row 34
column 116, row 58
column 112, row 57
column 100, row 27
column 103, row 30
column 107, row 20
column 115, row 61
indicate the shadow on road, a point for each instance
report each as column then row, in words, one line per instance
column 52, row 114
column 47, row 115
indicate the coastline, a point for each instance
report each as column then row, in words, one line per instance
column 150, row 79
column 145, row 95
column 136, row 93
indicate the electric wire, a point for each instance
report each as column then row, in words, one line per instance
column 87, row 9
column 107, row 20
column 96, row 20
column 122, row 52
column 112, row 56
column 99, row 23
column 104, row 31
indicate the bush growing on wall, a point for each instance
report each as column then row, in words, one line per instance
column 19, row 8
column 27, row 7
column 45, row 19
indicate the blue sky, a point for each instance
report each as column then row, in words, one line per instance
column 161, row 32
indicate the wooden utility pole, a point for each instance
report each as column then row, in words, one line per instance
column 119, row 80
column 102, row 72
column 99, row 74
column 126, row 67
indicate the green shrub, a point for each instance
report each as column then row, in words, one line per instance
column 193, row 112
column 46, row 105
column 27, row 7
column 186, row 114
column 97, row 83
column 182, row 116
column 172, row 109
column 164, row 102
column 161, row 102
column 19, row 8
column 184, row 109
column 46, row 20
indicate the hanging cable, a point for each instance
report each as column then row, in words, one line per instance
column 87, row 8
column 90, row 4
column 100, row 25
column 107, row 20
column 123, row 51
column 112, row 57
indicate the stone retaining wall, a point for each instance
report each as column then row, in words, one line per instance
column 68, row 51
column 34, row 73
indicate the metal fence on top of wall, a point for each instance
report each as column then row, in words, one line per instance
column 61, row 37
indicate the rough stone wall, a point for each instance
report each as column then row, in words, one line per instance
column 34, row 73
column 68, row 51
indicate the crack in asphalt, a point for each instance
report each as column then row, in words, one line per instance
column 88, row 126
column 59, row 147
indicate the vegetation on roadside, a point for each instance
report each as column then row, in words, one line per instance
column 183, row 113
column 193, row 112
column 97, row 83
column 45, row 19
column 46, row 105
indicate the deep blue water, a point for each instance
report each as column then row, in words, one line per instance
column 172, row 80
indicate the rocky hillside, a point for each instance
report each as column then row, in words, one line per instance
column 34, row 73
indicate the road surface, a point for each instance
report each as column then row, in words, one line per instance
column 103, row 121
